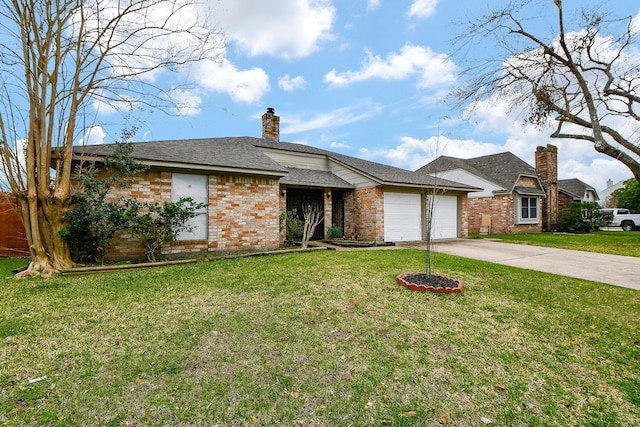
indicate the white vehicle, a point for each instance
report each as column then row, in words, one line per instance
column 622, row 218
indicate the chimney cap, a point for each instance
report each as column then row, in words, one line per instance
column 270, row 110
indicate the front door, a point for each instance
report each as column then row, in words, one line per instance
column 299, row 198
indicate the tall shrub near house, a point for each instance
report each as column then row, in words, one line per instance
column 93, row 219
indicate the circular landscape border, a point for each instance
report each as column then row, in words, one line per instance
column 419, row 282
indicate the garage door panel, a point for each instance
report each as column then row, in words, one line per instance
column 402, row 217
column 444, row 224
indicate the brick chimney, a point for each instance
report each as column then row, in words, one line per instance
column 270, row 125
column 547, row 168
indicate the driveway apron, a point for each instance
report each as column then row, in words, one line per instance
column 611, row 269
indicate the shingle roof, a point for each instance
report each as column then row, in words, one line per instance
column 384, row 174
column 245, row 153
column 314, row 178
column 574, row 187
column 210, row 153
column 503, row 169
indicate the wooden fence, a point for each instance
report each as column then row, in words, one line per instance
column 13, row 239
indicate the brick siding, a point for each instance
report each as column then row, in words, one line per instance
column 243, row 213
column 501, row 209
column 364, row 214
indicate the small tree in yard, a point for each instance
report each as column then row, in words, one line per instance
column 157, row 224
column 313, row 216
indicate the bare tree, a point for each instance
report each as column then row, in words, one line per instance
column 313, row 215
column 58, row 58
column 586, row 81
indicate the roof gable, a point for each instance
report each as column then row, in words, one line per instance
column 575, row 188
column 503, row 169
column 383, row 174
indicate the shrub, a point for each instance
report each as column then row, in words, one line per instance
column 334, row 232
column 156, row 224
column 580, row 217
column 292, row 226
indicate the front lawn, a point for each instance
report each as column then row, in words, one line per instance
column 607, row 242
column 318, row 339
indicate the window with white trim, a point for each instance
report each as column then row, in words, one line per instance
column 528, row 210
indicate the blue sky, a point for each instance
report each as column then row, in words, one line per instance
column 366, row 78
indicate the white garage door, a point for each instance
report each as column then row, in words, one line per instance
column 445, row 217
column 402, row 217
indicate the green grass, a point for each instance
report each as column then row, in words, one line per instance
column 323, row 339
column 606, row 242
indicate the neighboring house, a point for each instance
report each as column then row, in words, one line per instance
column 516, row 197
column 247, row 183
column 512, row 194
column 574, row 190
column 604, row 197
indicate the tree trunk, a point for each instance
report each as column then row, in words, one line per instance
column 43, row 221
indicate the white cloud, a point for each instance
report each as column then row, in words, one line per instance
column 187, row 103
column 373, row 4
column 246, row 86
column 147, row 39
column 336, row 144
column 93, row 135
column 336, row 118
column 422, row 8
column 433, row 69
column 635, row 24
column 281, row 28
column 413, row 153
column 576, row 158
column 290, row 84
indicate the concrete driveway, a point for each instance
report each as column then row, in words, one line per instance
column 612, row 269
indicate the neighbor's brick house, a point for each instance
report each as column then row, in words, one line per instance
column 246, row 183
column 515, row 196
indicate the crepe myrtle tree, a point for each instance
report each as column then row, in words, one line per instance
column 584, row 82
column 58, row 60
column 313, row 214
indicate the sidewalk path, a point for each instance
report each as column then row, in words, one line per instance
column 612, row 269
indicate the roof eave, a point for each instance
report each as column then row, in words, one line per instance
column 196, row 167
column 427, row 186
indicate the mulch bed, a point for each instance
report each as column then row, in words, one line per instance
column 421, row 282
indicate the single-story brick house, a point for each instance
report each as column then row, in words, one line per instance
column 515, row 196
column 248, row 182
